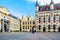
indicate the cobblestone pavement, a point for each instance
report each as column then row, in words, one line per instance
column 30, row 36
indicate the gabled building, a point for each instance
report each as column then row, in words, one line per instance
column 48, row 17
column 27, row 23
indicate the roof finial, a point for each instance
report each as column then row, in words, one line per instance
column 36, row 2
column 51, row 1
column 46, row 3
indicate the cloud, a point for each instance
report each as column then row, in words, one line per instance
column 43, row 2
column 16, row 13
column 31, row 0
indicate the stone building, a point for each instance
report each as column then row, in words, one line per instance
column 27, row 23
column 8, row 22
column 48, row 17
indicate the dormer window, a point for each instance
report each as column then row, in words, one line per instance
column 52, row 6
column 46, row 7
column 40, row 8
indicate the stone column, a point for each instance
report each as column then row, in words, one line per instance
column 3, row 26
column 8, row 27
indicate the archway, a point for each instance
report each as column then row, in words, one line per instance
column 58, row 29
column 44, row 29
column 5, row 27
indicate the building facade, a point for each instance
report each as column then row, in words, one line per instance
column 27, row 23
column 8, row 22
column 48, row 17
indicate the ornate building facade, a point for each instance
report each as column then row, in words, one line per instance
column 8, row 22
column 48, row 17
column 27, row 23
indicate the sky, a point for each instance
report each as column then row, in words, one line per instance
column 21, row 8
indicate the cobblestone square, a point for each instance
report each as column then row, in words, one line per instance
column 30, row 36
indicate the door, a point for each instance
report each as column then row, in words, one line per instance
column 59, row 29
column 5, row 27
column 44, row 29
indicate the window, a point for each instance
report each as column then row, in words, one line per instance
column 48, row 27
column 54, row 18
column 49, row 19
column 23, row 27
column 39, row 20
column 23, row 22
column 30, row 22
column 33, row 22
column 39, row 27
column 59, row 18
column 54, row 27
column 28, row 18
column 4, row 18
column 28, row 27
column 26, row 22
column 44, row 19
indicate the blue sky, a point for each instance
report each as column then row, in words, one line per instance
column 19, row 7
column 22, row 7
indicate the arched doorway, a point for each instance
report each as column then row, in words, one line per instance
column 44, row 29
column 54, row 27
column 5, row 27
column 58, row 29
column 48, row 28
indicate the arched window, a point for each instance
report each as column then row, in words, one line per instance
column 39, row 27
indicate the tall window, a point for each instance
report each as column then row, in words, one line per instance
column 39, row 20
column 49, row 19
column 54, row 18
column 44, row 19
column 28, row 18
column 39, row 27
column 23, row 22
column 54, row 27
column 28, row 27
column 48, row 27
column 59, row 18
column 33, row 22
column 26, row 22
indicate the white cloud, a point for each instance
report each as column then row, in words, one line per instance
column 16, row 13
column 43, row 2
